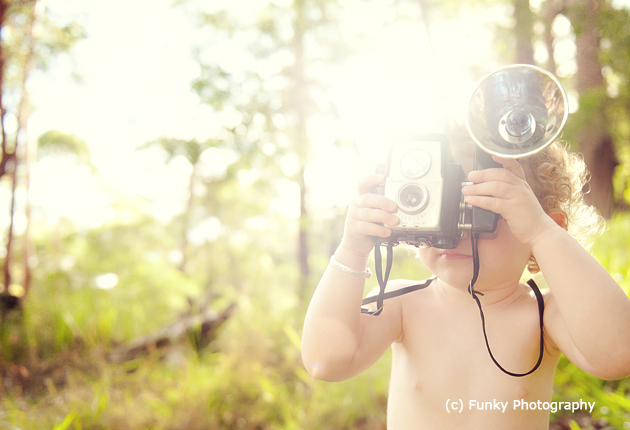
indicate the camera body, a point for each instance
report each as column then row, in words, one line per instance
column 515, row 111
column 427, row 189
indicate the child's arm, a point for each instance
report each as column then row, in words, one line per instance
column 587, row 314
column 339, row 342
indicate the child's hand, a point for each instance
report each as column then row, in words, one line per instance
column 505, row 192
column 365, row 214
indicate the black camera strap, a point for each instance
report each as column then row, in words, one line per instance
column 382, row 280
column 474, row 237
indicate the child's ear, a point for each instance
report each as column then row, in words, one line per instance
column 560, row 218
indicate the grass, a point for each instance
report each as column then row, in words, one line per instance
column 254, row 389
column 55, row 372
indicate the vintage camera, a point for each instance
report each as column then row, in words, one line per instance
column 427, row 189
column 514, row 112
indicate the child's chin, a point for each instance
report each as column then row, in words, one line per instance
column 459, row 279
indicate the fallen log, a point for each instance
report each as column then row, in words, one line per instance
column 203, row 325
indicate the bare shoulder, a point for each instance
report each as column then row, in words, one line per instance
column 392, row 313
column 394, row 292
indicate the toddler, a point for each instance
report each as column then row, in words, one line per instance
column 442, row 376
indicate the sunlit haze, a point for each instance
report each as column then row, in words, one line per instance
column 136, row 69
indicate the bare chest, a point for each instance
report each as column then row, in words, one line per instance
column 442, row 371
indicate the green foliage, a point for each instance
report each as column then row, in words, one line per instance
column 56, row 142
column 94, row 289
column 612, row 398
column 56, row 40
column 612, row 249
column 615, row 56
column 31, row 38
column 222, row 391
column 67, row 303
column 190, row 149
column 256, row 380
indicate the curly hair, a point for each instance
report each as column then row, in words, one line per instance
column 558, row 177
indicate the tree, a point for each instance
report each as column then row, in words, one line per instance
column 299, row 35
column 614, row 56
column 597, row 129
column 191, row 150
column 524, row 19
column 594, row 140
column 29, row 41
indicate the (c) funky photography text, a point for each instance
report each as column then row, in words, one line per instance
column 458, row 406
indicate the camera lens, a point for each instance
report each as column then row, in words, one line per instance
column 518, row 122
column 412, row 198
column 516, row 127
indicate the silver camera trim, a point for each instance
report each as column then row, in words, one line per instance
column 508, row 136
column 426, row 216
column 426, row 157
column 424, row 201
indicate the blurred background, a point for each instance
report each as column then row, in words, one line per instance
column 174, row 176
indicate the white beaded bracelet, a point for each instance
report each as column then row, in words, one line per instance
column 350, row 270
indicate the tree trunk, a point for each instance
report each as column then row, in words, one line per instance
column 28, row 251
column 8, row 259
column 8, row 158
column 593, row 139
column 19, row 154
column 524, row 32
column 4, row 6
column 550, row 12
column 22, row 146
column 301, row 144
column 186, row 219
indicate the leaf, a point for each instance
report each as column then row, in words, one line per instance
column 293, row 336
column 66, row 422
column 6, row 425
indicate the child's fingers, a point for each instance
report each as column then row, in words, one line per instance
column 369, row 215
column 367, row 184
column 512, row 165
column 374, row 215
column 511, row 172
column 485, row 202
column 508, row 208
column 370, row 200
column 373, row 212
column 495, row 174
column 365, row 228
column 497, row 189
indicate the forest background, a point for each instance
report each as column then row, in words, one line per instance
column 174, row 178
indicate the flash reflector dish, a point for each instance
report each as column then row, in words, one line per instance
column 517, row 111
